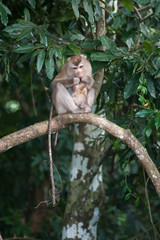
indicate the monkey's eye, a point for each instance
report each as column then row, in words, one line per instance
column 74, row 68
column 80, row 66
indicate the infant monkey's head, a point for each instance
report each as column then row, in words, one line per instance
column 79, row 87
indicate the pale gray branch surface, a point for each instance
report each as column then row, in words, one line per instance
column 61, row 121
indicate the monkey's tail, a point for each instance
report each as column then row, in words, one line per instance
column 53, row 189
column 51, row 157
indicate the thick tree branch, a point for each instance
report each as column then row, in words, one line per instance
column 61, row 121
column 100, row 31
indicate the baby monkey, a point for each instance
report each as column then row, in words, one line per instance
column 80, row 97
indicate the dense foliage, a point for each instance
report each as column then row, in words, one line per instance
column 36, row 38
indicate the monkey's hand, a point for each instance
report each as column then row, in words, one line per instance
column 76, row 80
column 88, row 80
column 84, row 79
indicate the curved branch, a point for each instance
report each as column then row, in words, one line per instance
column 61, row 121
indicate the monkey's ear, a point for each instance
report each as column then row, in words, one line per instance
column 83, row 56
column 68, row 59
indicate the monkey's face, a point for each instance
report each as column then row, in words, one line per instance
column 79, row 87
column 76, row 65
column 78, row 70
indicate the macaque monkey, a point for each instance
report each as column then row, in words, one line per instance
column 76, row 70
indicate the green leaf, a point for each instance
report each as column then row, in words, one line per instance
column 125, row 189
column 110, row 46
column 150, row 86
column 58, row 53
column 124, row 164
column 49, row 64
column 24, row 57
column 131, row 86
column 25, row 48
column 102, row 56
column 3, row 14
column 74, row 48
column 122, row 183
column 127, row 197
column 125, row 174
column 77, row 36
column 51, row 52
column 24, row 34
column 19, row 27
column 144, row 90
column 35, row 53
column 75, row 6
column 117, row 22
column 116, row 144
column 157, row 8
column 144, row 29
column 145, row 113
column 155, row 36
column 157, row 120
column 148, row 48
column 148, row 132
column 147, row 129
column 130, row 42
column 107, row 42
column 142, row 79
column 137, row 202
column 128, row 4
column 12, row 28
column 32, row 3
column 40, row 60
column 142, row 100
column 43, row 39
column 27, row 14
column 6, row 8
column 88, row 8
column 97, row 11
column 97, row 66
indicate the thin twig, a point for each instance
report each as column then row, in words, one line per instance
column 33, row 100
column 144, row 8
column 138, row 235
column 139, row 106
column 148, row 203
column 138, row 14
column 147, row 16
column 45, row 89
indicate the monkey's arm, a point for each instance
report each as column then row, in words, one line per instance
column 66, row 82
column 91, row 97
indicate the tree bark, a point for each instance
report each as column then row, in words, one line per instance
column 86, row 193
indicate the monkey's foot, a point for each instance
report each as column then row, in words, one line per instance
column 85, row 107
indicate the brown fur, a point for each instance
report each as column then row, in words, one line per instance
column 79, row 94
column 76, row 59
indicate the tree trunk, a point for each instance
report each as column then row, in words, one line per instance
column 86, row 188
